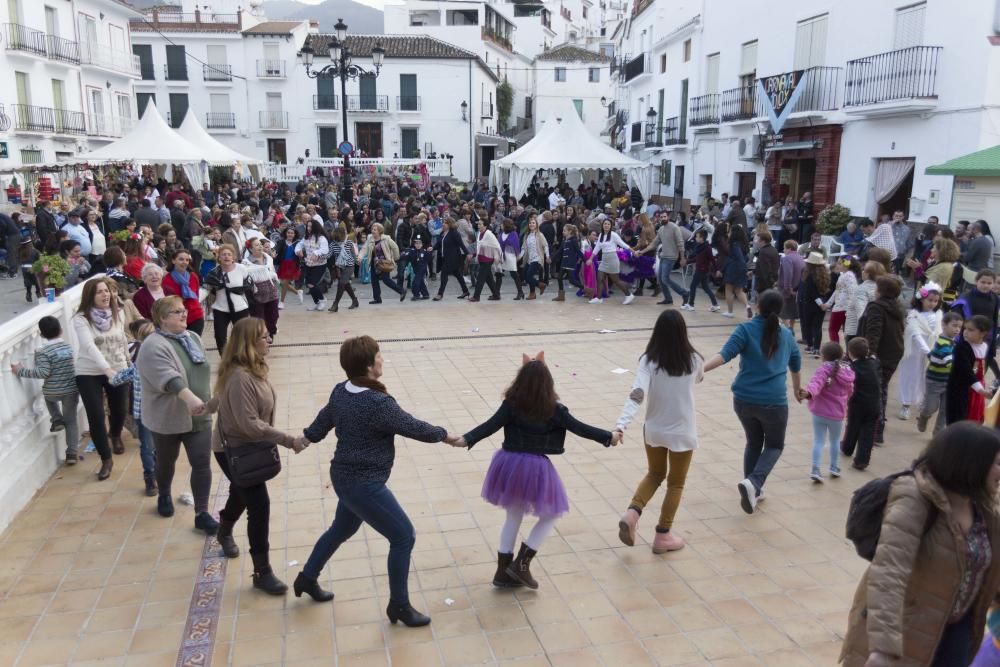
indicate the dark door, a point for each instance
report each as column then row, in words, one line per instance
column 900, row 200
column 368, row 96
column 488, row 154
column 409, row 142
column 679, row 189
column 145, row 53
column 408, row 95
column 176, row 63
column 328, row 142
column 682, row 136
column 142, row 99
column 369, row 138
column 747, row 182
column 276, row 151
column 178, row 107
column 326, row 96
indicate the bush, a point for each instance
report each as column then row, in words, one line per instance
column 53, row 268
column 833, row 219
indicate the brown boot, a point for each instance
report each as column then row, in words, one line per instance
column 531, row 296
column 520, row 569
column 105, row 470
column 117, row 446
column 501, row 579
column 541, row 287
column 561, row 296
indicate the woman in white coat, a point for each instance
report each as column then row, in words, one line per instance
column 923, row 326
column 607, row 244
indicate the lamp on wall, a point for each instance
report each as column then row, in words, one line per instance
column 465, row 110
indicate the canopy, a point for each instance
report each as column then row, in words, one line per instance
column 151, row 141
column 565, row 143
column 211, row 149
column 981, row 163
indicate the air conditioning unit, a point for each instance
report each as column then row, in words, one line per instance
column 749, row 149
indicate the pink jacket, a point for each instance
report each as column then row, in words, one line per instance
column 830, row 387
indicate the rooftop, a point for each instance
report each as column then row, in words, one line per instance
column 573, row 53
column 981, row 163
column 396, row 46
column 273, row 28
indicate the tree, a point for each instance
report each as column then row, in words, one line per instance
column 505, row 102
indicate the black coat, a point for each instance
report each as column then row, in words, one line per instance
column 453, row 250
column 883, row 323
column 960, row 381
column 766, row 269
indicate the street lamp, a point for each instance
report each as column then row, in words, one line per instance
column 465, row 110
column 342, row 68
column 650, row 126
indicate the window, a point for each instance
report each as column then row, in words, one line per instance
column 585, row 11
column 178, row 108
column 910, row 26
column 748, row 58
column 712, row 73
column 31, row 156
column 409, row 142
column 810, row 42
column 145, row 55
column 663, row 63
column 462, row 17
column 560, row 74
column 687, row 50
column 528, row 107
column 594, row 74
column 608, row 50
column 328, row 142
column 579, row 108
column 124, row 105
column 368, row 98
column 23, row 88
column 143, row 99
column 665, row 169
column 408, row 99
column 176, row 63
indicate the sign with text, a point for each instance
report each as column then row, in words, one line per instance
column 778, row 94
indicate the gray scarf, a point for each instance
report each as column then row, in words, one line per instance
column 186, row 340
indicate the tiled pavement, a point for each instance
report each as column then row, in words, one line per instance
column 89, row 572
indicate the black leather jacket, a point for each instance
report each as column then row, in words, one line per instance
column 520, row 435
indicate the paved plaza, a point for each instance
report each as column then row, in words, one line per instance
column 90, row 573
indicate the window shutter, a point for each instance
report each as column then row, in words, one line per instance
column 810, row 42
column 712, row 73
column 748, row 58
column 910, row 26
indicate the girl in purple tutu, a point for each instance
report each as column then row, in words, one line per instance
column 521, row 478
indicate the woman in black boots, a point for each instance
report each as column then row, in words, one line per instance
column 244, row 399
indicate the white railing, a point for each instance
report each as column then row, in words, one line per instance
column 102, row 55
column 29, row 454
column 437, row 167
column 112, row 127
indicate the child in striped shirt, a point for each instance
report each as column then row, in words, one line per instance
column 55, row 366
column 936, row 377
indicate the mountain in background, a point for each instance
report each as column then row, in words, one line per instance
column 360, row 19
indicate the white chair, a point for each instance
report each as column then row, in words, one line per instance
column 828, row 243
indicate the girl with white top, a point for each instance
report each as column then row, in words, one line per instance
column 842, row 304
column 231, row 306
column 607, row 244
column 315, row 249
column 260, row 266
column 923, row 326
column 99, row 243
column 534, row 255
column 102, row 352
column 666, row 375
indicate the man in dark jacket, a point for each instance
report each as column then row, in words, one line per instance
column 736, row 215
column 45, row 222
column 766, row 268
column 882, row 324
column 178, row 220
column 13, row 239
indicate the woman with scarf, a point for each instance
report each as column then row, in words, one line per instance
column 265, row 301
column 102, row 352
column 176, row 381
column 510, row 246
column 453, row 254
column 152, row 290
column 181, row 280
column 230, row 278
column 382, row 253
column 488, row 255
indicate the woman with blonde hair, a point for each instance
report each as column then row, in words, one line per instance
column 245, row 402
column 534, row 255
column 382, row 253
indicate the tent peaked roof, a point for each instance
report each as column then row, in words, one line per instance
column 151, row 141
column 981, row 163
column 212, row 150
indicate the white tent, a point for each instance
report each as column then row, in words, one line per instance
column 214, row 151
column 565, row 143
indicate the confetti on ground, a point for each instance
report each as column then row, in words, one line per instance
column 293, row 563
column 607, row 331
column 619, row 371
column 449, row 601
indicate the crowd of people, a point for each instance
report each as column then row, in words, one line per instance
column 234, row 254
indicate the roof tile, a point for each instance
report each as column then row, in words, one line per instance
column 573, row 53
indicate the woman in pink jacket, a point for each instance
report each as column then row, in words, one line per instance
column 828, row 390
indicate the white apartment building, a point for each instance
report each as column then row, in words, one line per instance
column 574, row 73
column 68, row 71
column 873, row 92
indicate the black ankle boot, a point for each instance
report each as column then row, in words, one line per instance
column 410, row 617
column 520, row 569
column 310, row 587
column 501, row 579
column 225, row 539
column 263, row 576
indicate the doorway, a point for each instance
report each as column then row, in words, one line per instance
column 369, row 138
column 328, row 142
column 746, row 181
column 678, row 205
column 796, row 177
column 900, row 199
column 487, row 155
column 276, row 151
column 704, row 187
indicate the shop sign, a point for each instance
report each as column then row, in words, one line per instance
column 779, row 95
column 785, row 177
column 964, row 185
column 4, row 151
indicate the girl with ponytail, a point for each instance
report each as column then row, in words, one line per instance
column 767, row 353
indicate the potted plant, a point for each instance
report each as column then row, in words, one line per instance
column 833, row 219
column 51, row 271
column 120, row 237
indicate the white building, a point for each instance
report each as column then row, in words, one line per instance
column 574, row 73
column 878, row 80
column 68, row 71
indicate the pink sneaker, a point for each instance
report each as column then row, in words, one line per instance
column 626, row 527
column 664, row 542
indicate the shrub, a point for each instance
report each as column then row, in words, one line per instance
column 833, row 219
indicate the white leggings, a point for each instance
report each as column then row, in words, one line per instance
column 508, row 534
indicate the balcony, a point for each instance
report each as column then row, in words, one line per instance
column 63, row 50
column 704, row 110
column 408, row 103
column 217, row 72
column 822, row 84
column 175, row 73
column 367, row 102
column 103, row 56
column 636, row 67
column 904, row 78
column 167, row 20
column 493, row 36
column 270, row 69
column 487, row 110
column 273, row 120
column 44, row 120
column 108, row 127
column 24, row 39
column 739, row 104
column 654, row 135
column 220, row 120
column 673, row 134
column 325, row 102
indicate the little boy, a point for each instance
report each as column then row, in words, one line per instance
column 938, row 370
column 54, row 364
column 418, row 260
column 863, row 408
column 701, row 256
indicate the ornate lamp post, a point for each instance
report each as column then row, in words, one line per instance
column 341, row 67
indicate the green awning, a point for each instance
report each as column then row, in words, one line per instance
column 981, row 163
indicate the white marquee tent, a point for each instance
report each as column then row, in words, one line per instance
column 565, row 143
column 214, row 151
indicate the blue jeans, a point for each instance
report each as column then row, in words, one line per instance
column 531, row 275
column 147, row 450
column 377, row 278
column 374, row 504
column 826, row 431
column 666, row 282
column 764, row 426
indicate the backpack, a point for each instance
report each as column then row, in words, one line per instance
column 867, row 510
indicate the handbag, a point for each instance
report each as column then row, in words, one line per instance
column 384, row 266
column 251, row 463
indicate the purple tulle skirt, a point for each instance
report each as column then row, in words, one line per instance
column 525, row 482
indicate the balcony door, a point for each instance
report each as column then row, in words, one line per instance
column 176, row 63
column 88, row 34
column 178, row 108
column 409, row 142
column 272, row 59
column 57, row 104
column 326, row 93
column 221, row 114
column 328, row 142
column 117, row 41
column 145, row 54
column 13, row 11
column 23, row 84
column 142, row 100
column 95, row 101
column 810, row 42
column 51, row 21
column 369, row 98
column 712, row 74
column 408, row 92
column 910, row 26
column 369, row 138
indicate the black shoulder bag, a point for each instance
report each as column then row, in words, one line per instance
column 251, row 463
